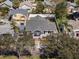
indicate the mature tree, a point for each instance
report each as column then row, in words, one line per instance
column 4, row 11
column 62, row 24
column 2, row 1
column 25, row 40
column 77, row 2
column 61, row 10
column 63, row 45
column 39, row 8
column 16, row 3
column 6, row 40
column 61, row 13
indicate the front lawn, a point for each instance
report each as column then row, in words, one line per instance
column 8, row 57
column 14, row 57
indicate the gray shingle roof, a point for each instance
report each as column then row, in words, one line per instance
column 15, row 11
column 6, row 28
column 41, row 24
column 7, row 3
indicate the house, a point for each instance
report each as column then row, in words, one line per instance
column 56, row 1
column 70, row 0
column 71, row 7
column 47, row 16
column 75, row 28
column 29, row 0
column 74, row 16
column 19, row 19
column 5, row 27
column 16, row 11
column 40, row 27
column 27, row 5
column 50, row 3
column 6, row 3
column 19, row 16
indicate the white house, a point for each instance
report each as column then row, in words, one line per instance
column 27, row 5
column 41, row 15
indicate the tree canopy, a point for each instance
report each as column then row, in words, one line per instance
column 67, row 47
column 4, row 10
column 16, row 3
column 39, row 8
column 2, row 1
column 77, row 2
column 61, row 10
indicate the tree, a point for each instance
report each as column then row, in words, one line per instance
column 16, row 3
column 24, row 41
column 2, row 1
column 7, row 40
column 4, row 10
column 39, row 8
column 61, row 10
column 61, row 13
column 66, row 46
column 77, row 2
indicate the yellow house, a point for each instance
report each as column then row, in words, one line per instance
column 19, row 19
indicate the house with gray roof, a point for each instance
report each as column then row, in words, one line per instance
column 19, row 16
column 74, row 30
column 6, row 3
column 50, row 3
column 18, row 11
column 40, row 26
column 27, row 5
column 5, row 27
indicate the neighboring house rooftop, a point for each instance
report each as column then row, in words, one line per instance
column 74, row 16
column 16, row 11
column 41, row 15
column 71, row 4
column 41, row 24
column 27, row 3
column 74, row 24
column 5, row 27
column 6, row 3
column 48, row 3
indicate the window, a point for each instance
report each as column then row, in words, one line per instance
column 22, row 16
column 77, row 33
column 37, row 33
column 22, row 23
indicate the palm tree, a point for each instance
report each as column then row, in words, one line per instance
column 61, row 16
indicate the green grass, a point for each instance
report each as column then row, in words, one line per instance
column 8, row 57
column 14, row 57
